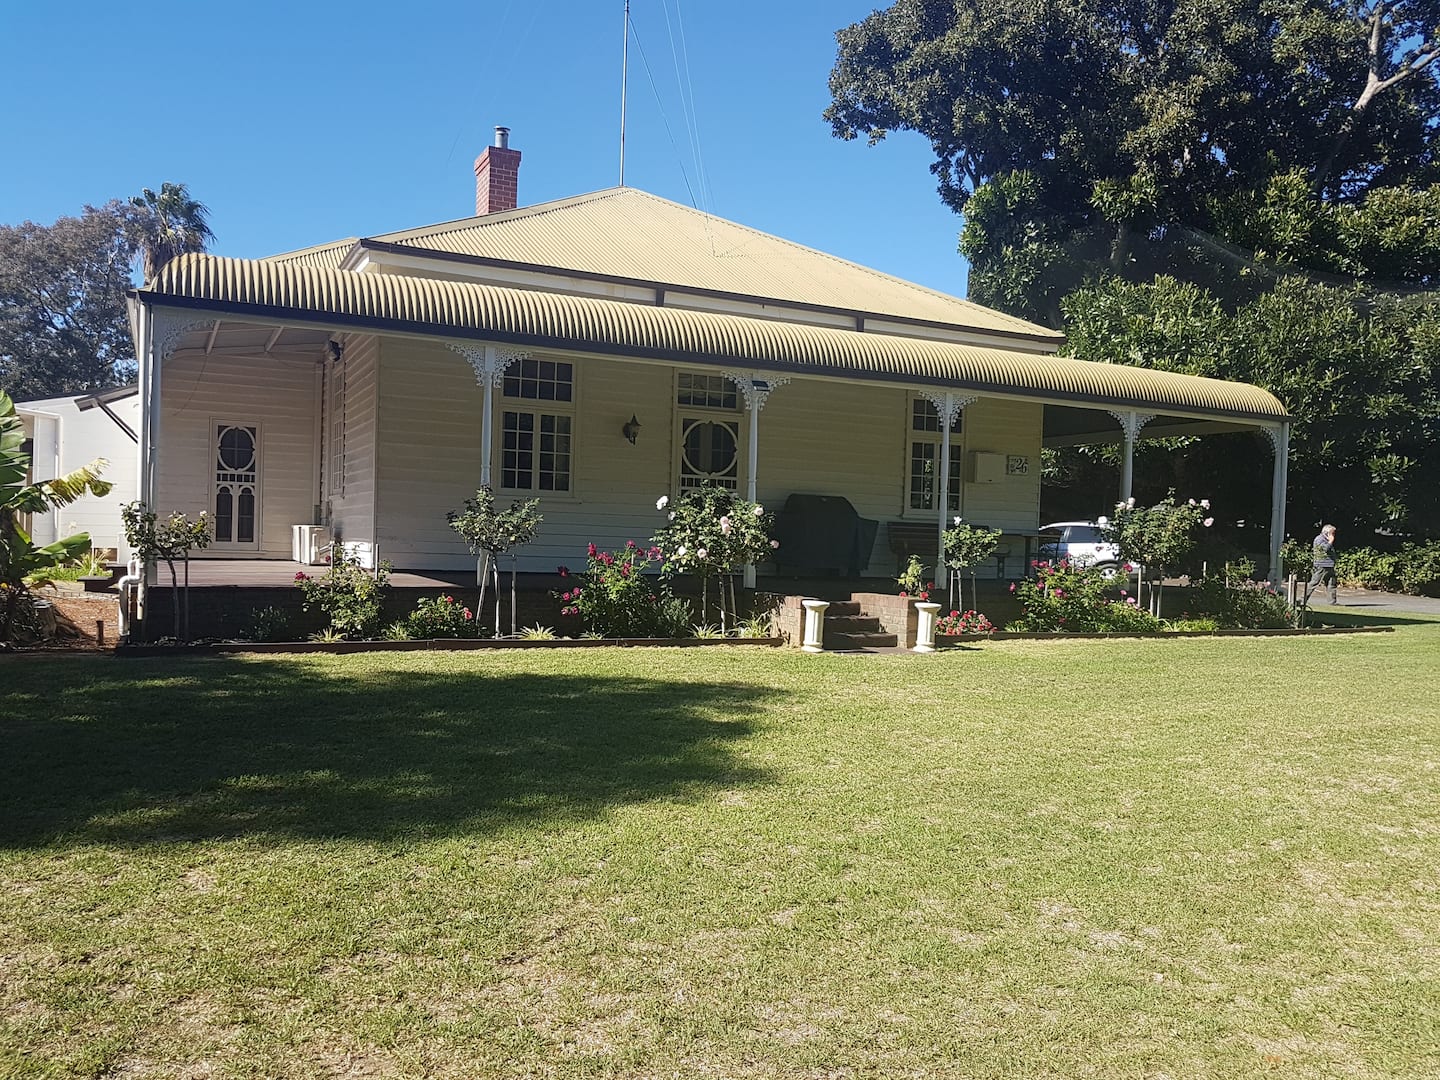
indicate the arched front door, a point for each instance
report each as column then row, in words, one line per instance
column 236, row 499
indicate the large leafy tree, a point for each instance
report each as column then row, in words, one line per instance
column 1360, row 374
column 1070, row 132
column 63, row 324
column 62, row 304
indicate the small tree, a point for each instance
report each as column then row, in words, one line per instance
column 1154, row 537
column 491, row 533
column 712, row 532
column 22, row 563
column 170, row 540
column 966, row 547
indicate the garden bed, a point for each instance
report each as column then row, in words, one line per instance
column 1007, row 635
column 423, row 644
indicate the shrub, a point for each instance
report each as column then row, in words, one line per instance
column 1420, row 569
column 1190, row 626
column 615, row 598
column 1075, row 599
column 1298, row 558
column 912, row 580
column 267, row 624
column 347, row 594
column 441, row 617
column 963, row 622
column 1240, row 604
column 1366, row 568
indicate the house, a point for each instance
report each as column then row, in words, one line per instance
column 68, row 433
column 598, row 352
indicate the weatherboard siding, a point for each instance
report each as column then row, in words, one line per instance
column 816, row 437
column 199, row 391
column 430, row 421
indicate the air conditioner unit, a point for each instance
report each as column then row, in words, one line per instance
column 306, row 543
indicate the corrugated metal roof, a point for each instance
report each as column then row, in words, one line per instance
column 628, row 233
column 466, row 310
column 327, row 256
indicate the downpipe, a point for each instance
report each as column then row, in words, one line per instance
column 129, row 593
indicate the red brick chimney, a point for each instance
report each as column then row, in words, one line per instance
column 497, row 176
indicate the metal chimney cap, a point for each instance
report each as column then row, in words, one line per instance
column 502, row 137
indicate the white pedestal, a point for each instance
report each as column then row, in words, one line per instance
column 815, row 625
column 925, row 631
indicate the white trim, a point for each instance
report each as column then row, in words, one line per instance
column 957, row 442
column 497, row 363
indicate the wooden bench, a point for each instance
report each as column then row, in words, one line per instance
column 908, row 538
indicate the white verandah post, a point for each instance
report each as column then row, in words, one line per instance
column 1130, row 423
column 1280, row 441
column 756, row 392
column 489, row 364
column 948, row 406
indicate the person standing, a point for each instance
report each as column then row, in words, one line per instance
column 1324, row 546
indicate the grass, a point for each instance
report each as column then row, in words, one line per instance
column 1197, row 858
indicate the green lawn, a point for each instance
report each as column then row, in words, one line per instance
column 1140, row 859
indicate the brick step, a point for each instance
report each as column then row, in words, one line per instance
column 852, row 624
column 861, row 641
column 842, row 609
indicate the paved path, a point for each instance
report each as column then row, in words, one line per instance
column 1362, row 600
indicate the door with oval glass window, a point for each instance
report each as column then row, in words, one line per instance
column 236, row 499
column 709, row 452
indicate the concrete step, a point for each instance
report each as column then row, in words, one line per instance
column 852, row 624
column 841, row 609
column 841, row 642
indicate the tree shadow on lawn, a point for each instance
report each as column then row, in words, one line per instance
column 148, row 752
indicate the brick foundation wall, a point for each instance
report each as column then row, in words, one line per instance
column 897, row 614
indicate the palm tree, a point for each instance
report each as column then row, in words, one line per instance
column 169, row 224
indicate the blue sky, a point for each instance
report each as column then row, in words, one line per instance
column 303, row 122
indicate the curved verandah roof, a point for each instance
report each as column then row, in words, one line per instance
column 498, row 314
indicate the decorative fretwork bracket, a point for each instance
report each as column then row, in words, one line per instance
column 169, row 329
column 489, row 363
column 1131, row 422
column 1276, row 436
column 755, row 391
column 948, row 406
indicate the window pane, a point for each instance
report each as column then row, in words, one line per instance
column 554, row 453
column 923, row 417
column 922, row 475
column 245, row 517
column 517, row 446
column 707, row 391
column 224, row 515
column 540, row 380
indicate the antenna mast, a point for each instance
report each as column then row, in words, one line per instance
column 624, row 78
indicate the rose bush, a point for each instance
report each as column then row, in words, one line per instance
column 347, row 594
column 712, row 532
column 442, row 617
column 615, row 597
column 1067, row 598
